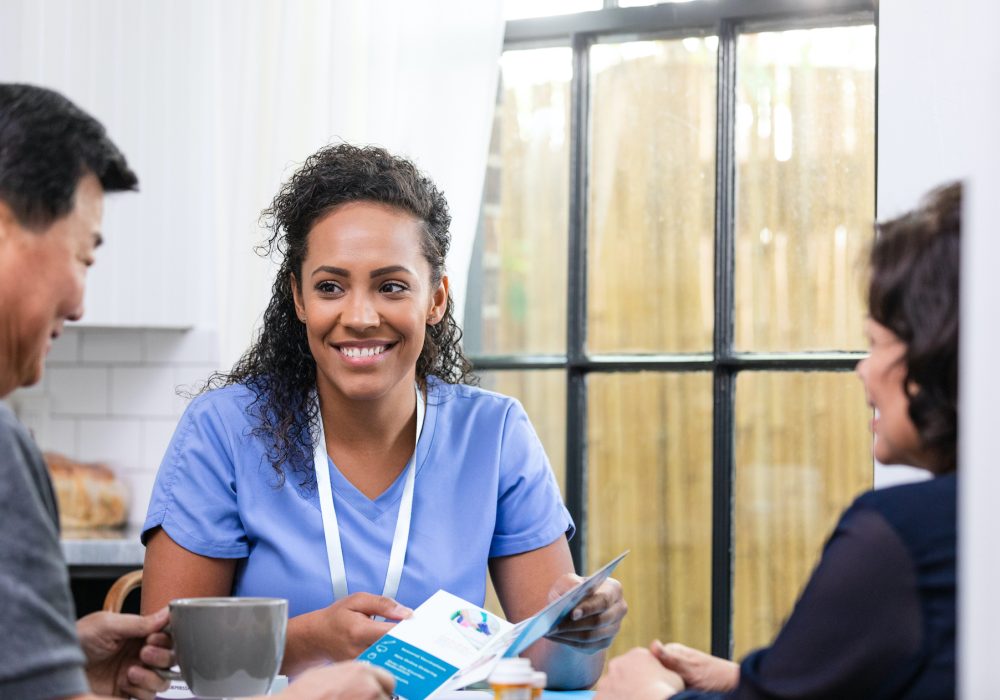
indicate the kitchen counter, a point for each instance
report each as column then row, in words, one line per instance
column 115, row 550
column 96, row 559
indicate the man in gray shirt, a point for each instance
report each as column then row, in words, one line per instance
column 42, row 656
column 56, row 164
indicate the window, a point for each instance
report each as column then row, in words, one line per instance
column 666, row 273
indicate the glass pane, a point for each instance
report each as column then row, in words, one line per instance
column 652, row 189
column 517, row 281
column 803, row 452
column 543, row 395
column 649, row 457
column 521, row 9
column 805, row 150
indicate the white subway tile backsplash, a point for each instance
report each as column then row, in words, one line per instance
column 108, row 346
column 61, row 437
column 66, row 347
column 140, row 486
column 110, row 395
column 78, row 390
column 156, row 434
column 114, row 441
column 143, row 391
column 193, row 346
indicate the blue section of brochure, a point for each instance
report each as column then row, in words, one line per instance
column 418, row 673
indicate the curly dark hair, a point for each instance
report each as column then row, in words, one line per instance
column 914, row 292
column 47, row 144
column 278, row 367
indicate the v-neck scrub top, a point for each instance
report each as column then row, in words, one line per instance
column 484, row 488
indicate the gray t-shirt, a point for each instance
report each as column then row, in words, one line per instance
column 40, row 656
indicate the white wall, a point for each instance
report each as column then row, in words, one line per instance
column 939, row 106
column 128, row 64
column 980, row 486
column 917, row 104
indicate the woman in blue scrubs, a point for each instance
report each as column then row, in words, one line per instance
column 344, row 464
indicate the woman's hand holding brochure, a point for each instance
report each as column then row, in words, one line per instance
column 449, row 643
column 575, row 616
column 592, row 625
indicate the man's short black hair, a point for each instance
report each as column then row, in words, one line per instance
column 47, row 144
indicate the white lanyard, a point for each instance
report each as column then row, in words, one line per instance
column 334, row 548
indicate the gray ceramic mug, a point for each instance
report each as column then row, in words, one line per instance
column 228, row 647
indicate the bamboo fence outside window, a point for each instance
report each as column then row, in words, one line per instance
column 804, row 207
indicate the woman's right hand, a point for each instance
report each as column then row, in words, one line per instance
column 339, row 632
column 344, row 681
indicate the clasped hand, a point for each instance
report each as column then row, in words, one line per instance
column 663, row 670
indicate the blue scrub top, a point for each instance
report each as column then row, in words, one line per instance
column 484, row 488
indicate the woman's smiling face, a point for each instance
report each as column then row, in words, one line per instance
column 365, row 295
column 883, row 373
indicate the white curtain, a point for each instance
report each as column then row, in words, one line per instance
column 417, row 77
column 216, row 102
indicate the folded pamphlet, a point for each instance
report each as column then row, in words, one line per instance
column 449, row 643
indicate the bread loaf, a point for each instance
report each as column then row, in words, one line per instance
column 89, row 495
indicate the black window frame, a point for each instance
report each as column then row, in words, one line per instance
column 726, row 19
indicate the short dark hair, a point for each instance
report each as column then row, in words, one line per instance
column 914, row 292
column 47, row 144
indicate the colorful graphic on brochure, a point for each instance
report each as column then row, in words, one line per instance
column 449, row 643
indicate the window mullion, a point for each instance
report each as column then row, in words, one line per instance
column 724, row 373
column 576, row 303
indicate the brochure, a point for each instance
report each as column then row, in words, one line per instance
column 449, row 643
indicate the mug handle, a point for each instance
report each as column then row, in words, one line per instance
column 168, row 674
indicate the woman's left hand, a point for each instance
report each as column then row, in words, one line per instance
column 593, row 624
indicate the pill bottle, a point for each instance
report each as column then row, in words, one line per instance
column 538, row 682
column 511, row 680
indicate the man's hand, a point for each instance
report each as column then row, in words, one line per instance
column 637, row 675
column 122, row 650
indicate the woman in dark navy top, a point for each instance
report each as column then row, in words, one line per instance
column 877, row 617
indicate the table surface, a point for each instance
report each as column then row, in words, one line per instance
column 547, row 695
